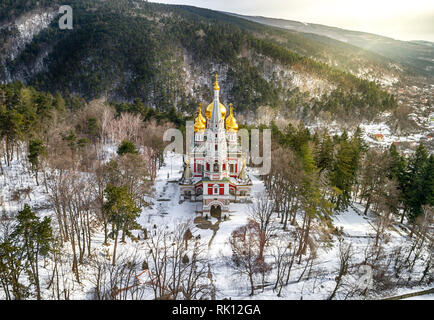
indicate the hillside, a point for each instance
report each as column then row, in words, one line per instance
column 166, row 56
column 417, row 56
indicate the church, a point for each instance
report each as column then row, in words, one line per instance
column 215, row 172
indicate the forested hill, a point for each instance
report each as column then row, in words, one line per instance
column 166, row 56
column 418, row 56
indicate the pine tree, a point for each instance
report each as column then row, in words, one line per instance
column 36, row 150
column 121, row 211
column 419, row 182
column 397, row 171
column 12, row 266
column 127, row 147
column 314, row 203
column 10, row 128
column 324, row 156
column 343, row 175
column 35, row 237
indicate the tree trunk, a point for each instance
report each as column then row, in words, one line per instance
column 115, row 247
column 368, row 204
column 252, row 288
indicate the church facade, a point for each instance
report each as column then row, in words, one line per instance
column 215, row 172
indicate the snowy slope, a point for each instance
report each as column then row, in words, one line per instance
column 165, row 209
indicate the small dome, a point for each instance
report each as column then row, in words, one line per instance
column 231, row 122
column 208, row 111
column 200, row 121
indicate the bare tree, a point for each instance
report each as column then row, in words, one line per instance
column 284, row 251
column 283, row 183
column 261, row 211
column 177, row 270
column 246, row 259
column 345, row 253
column 125, row 127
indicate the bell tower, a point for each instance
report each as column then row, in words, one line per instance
column 216, row 145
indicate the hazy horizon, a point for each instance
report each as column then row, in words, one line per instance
column 399, row 19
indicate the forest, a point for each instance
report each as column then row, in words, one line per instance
column 128, row 52
column 96, row 164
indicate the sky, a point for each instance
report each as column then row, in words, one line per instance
column 398, row 19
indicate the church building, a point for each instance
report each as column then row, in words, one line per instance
column 215, row 172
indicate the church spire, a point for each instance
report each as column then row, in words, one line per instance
column 216, row 83
column 208, row 111
column 216, row 115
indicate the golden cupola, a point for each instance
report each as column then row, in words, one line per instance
column 200, row 121
column 208, row 110
column 231, row 122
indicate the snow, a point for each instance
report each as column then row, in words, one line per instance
column 166, row 210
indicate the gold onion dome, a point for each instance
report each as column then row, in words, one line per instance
column 199, row 122
column 208, row 111
column 231, row 122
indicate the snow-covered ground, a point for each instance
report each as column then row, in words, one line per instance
column 166, row 209
column 358, row 229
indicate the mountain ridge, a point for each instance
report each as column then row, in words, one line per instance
column 383, row 45
column 166, row 55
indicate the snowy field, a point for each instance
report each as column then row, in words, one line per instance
column 165, row 209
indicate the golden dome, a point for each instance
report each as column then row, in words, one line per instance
column 231, row 122
column 199, row 122
column 208, row 111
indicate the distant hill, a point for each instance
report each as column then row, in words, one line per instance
column 417, row 55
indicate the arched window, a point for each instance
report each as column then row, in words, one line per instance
column 216, row 189
column 216, row 167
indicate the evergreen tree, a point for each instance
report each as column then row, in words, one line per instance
column 419, row 182
column 314, row 203
column 36, row 150
column 127, row 147
column 10, row 129
column 344, row 173
column 324, row 155
column 35, row 237
column 121, row 211
column 12, row 266
column 397, row 171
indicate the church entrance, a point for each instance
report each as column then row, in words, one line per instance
column 216, row 211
